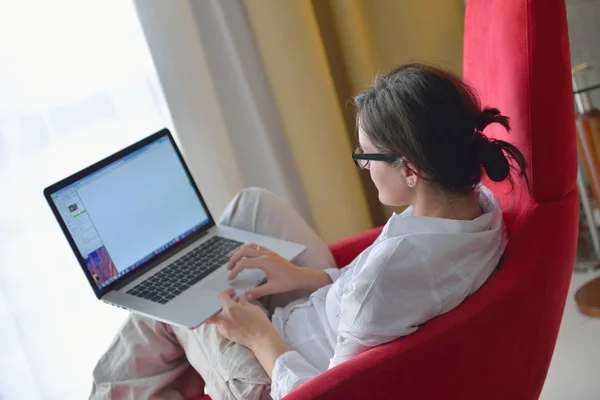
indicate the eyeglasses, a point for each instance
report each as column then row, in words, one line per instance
column 362, row 159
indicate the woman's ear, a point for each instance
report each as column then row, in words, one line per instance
column 409, row 173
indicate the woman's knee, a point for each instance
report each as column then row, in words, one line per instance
column 243, row 210
column 255, row 194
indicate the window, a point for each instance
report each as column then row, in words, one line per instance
column 76, row 84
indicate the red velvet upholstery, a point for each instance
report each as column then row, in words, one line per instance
column 516, row 53
column 499, row 342
column 496, row 345
column 347, row 250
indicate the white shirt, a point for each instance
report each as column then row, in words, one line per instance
column 417, row 269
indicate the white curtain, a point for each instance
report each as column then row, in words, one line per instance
column 76, row 83
column 220, row 99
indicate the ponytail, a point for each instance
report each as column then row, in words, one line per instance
column 494, row 154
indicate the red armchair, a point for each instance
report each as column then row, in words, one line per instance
column 499, row 342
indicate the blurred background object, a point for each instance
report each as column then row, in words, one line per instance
column 588, row 178
column 584, row 30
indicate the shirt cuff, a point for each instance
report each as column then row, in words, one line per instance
column 290, row 371
column 334, row 273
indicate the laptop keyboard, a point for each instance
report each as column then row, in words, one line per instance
column 188, row 270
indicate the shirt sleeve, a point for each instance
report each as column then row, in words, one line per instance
column 290, row 371
column 390, row 296
column 334, row 273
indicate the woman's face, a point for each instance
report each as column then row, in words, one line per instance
column 391, row 181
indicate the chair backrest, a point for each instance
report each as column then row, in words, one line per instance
column 498, row 344
column 516, row 55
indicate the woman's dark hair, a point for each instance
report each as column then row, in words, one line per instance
column 434, row 120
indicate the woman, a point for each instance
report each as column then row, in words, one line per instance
column 420, row 134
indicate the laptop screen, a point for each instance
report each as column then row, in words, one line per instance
column 131, row 210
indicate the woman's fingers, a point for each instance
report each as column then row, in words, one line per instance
column 247, row 263
column 243, row 299
column 253, row 246
column 225, row 298
column 215, row 319
column 232, row 252
column 245, row 251
column 260, row 291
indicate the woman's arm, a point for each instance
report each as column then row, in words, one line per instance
column 268, row 348
column 247, row 324
column 313, row 279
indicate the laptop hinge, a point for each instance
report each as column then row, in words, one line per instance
column 127, row 279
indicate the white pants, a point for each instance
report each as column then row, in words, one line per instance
column 152, row 360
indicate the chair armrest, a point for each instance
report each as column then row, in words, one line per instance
column 347, row 249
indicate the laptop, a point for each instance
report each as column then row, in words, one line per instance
column 145, row 239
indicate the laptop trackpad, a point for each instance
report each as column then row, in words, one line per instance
column 247, row 279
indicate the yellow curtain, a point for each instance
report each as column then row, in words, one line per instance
column 319, row 53
column 296, row 65
column 425, row 30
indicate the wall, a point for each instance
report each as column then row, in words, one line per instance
column 584, row 31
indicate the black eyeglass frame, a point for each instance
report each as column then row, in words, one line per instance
column 388, row 158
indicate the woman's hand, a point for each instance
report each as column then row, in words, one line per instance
column 282, row 275
column 242, row 322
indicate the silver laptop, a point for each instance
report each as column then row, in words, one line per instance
column 144, row 237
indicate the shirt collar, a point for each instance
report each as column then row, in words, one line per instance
column 406, row 223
